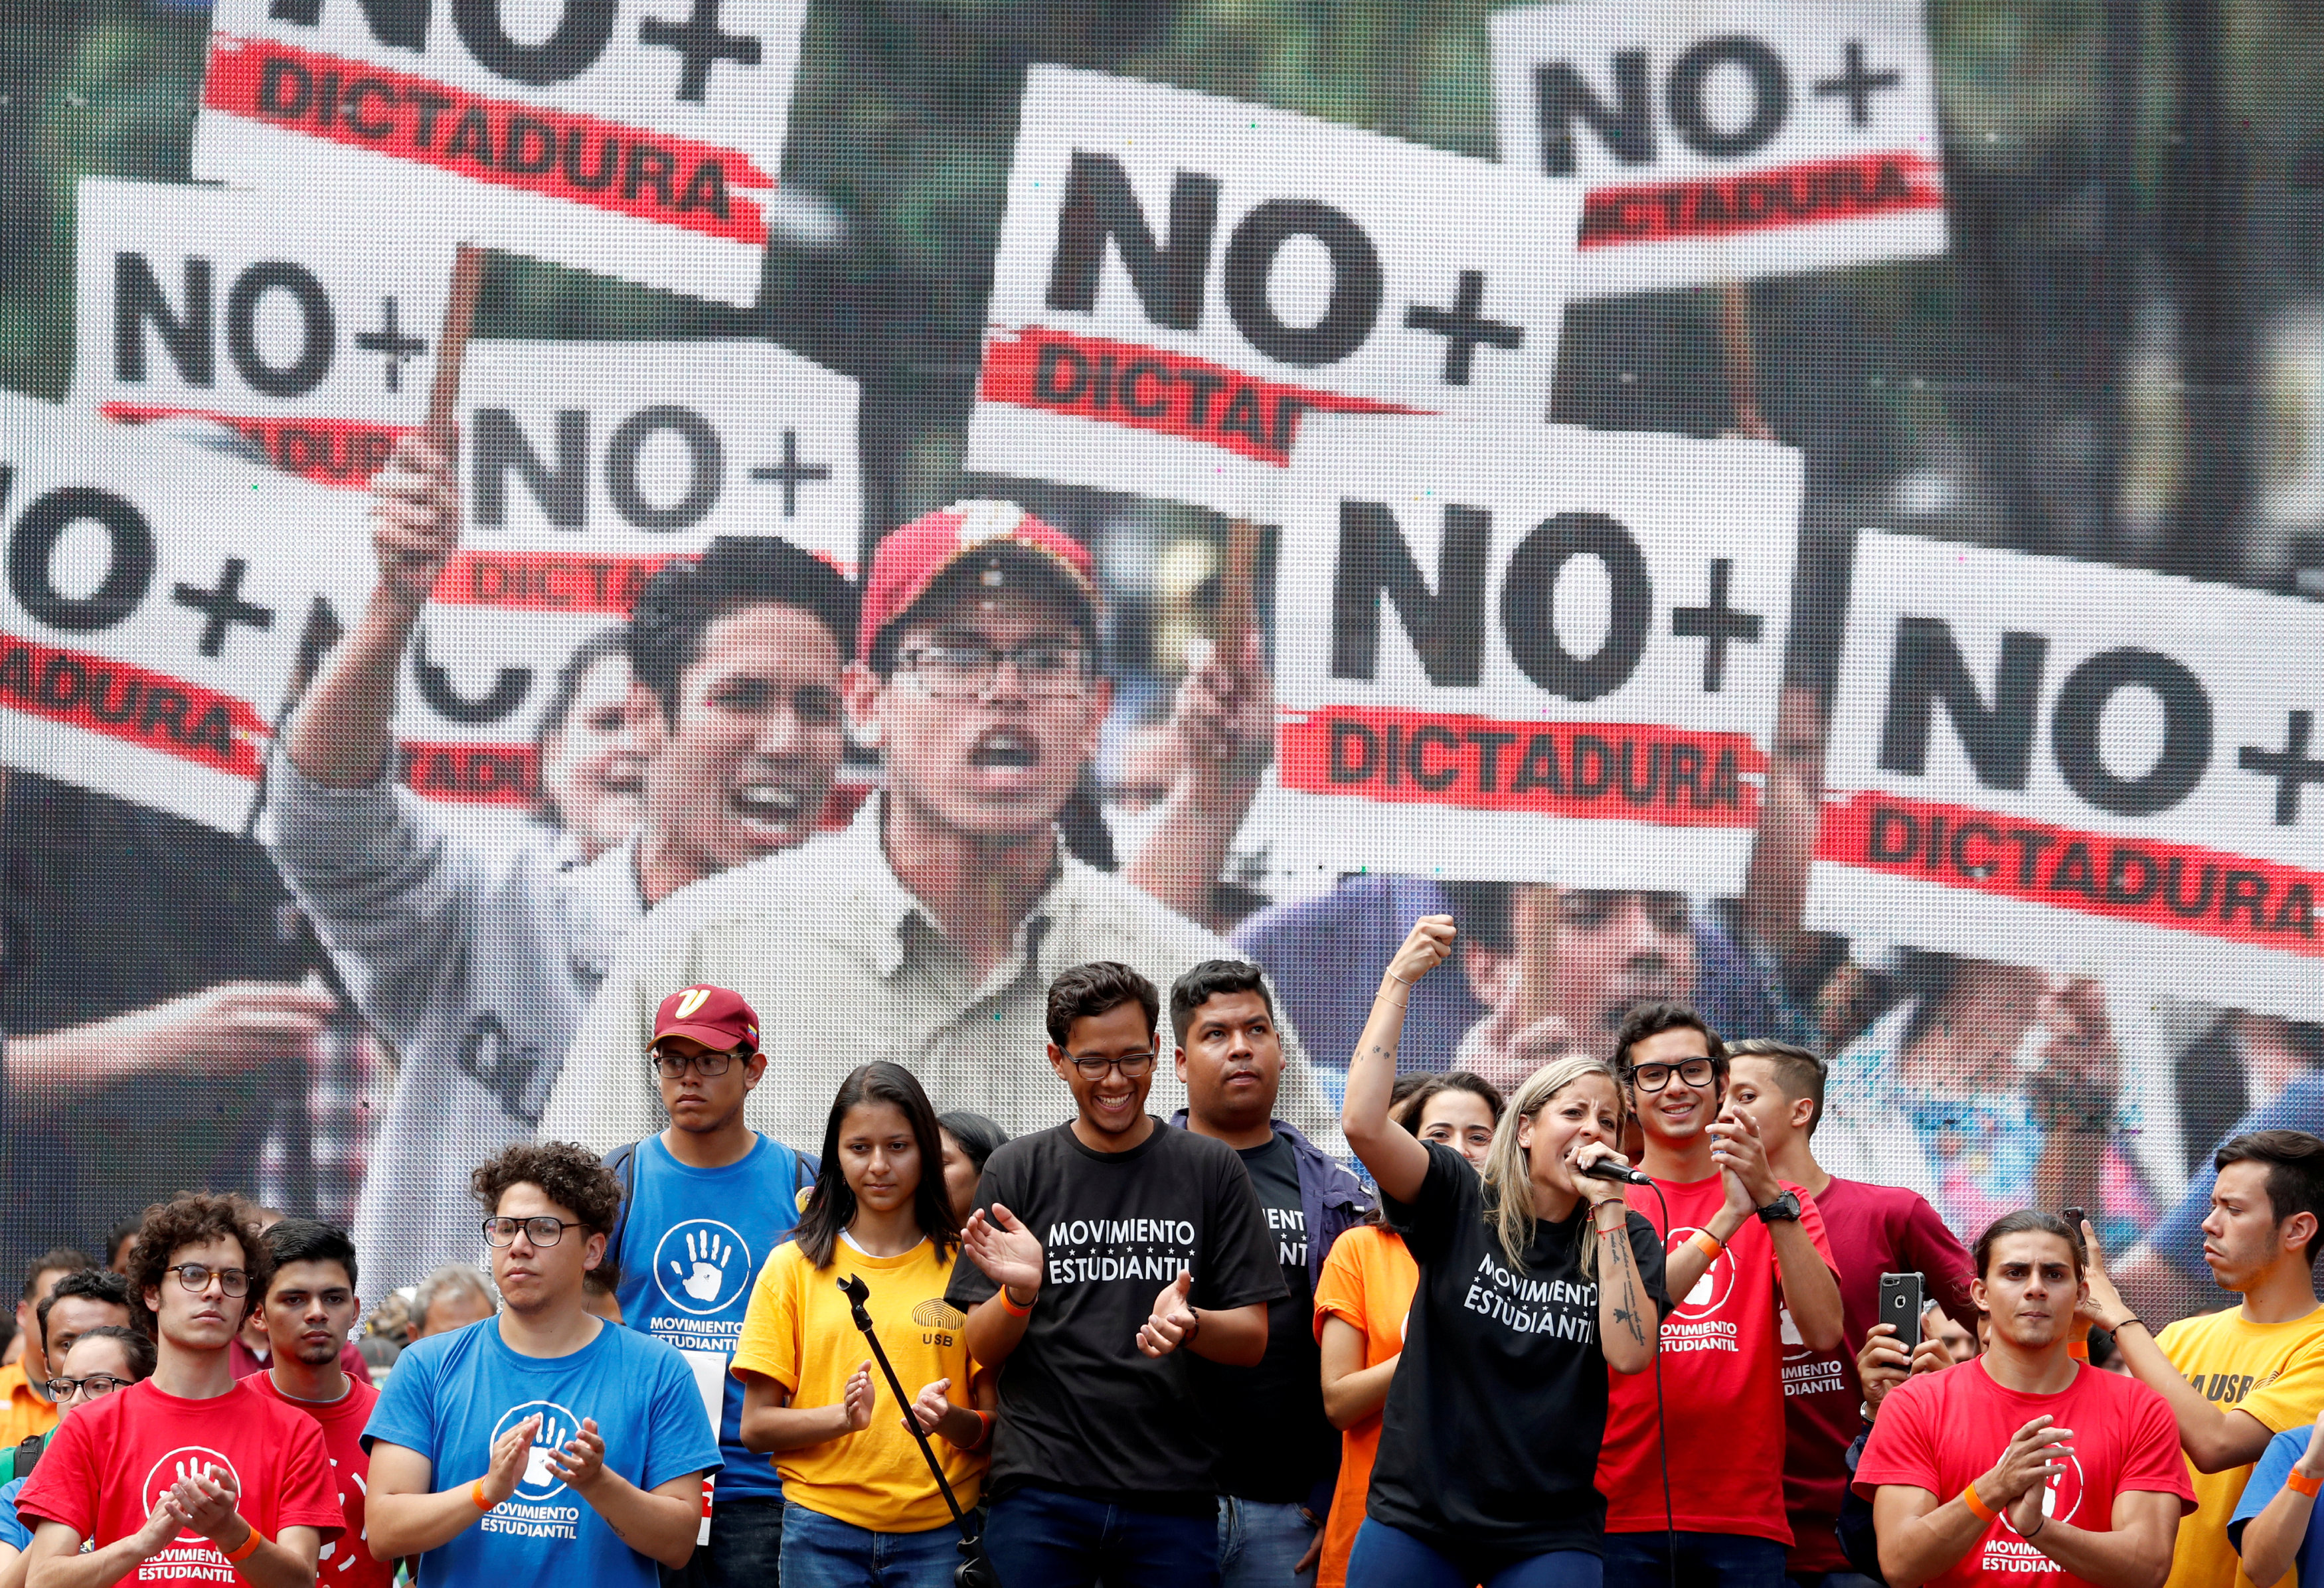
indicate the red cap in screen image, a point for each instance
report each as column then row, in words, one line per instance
column 994, row 538
column 712, row 1016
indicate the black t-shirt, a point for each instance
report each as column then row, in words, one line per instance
column 1490, row 1436
column 1274, row 1442
column 1082, row 1409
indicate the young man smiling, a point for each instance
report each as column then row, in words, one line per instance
column 929, row 931
column 1745, row 1246
column 310, row 1308
column 191, row 1476
column 2025, row 1461
column 705, row 1202
column 476, row 960
column 1103, row 1253
column 2236, row 1379
column 1276, row 1481
column 544, row 1443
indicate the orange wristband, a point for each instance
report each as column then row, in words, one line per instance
column 248, row 1548
column 2300, row 1485
column 1709, row 1245
column 1977, row 1507
column 476, row 1493
column 1009, row 1302
column 2077, row 1350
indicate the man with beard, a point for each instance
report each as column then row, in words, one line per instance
column 929, row 931
column 476, row 965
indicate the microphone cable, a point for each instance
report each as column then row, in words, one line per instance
column 1662, row 1428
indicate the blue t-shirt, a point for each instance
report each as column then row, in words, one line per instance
column 452, row 1395
column 2266, row 1482
column 690, row 1251
column 13, row 1530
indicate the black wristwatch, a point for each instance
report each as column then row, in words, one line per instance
column 1784, row 1209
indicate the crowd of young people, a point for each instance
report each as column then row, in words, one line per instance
column 1615, row 1328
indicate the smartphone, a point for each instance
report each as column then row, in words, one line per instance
column 2073, row 1217
column 1904, row 1297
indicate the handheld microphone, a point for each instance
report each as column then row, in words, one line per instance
column 1611, row 1169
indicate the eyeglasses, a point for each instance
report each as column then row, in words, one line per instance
column 1046, row 669
column 541, row 1230
column 196, row 1277
column 670, row 1066
column 1131, row 1065
column 91, row 1387
column 1654, row 1078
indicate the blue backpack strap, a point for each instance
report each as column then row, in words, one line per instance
column 623, row 1162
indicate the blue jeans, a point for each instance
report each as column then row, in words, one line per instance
column 1705, row 1560
column 824, row 1552
column 1046, row 1538
column 745, row 1548
column 1259, row 1543
column 1389, row 1557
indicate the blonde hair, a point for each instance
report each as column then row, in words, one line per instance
column 1509, row 1172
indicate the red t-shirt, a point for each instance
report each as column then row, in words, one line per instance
column 346, row 1561
column 110, row 1463
column 1940, row 1431
column 1873, row 1230
column 1722, row 1387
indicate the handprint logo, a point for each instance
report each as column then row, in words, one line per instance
column 703, row 1267
column 1712, row 1291
column 708, row 1254
column 186, row 1461
column 557, row 1428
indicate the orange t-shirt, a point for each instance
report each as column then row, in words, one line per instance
column 1368, row 1280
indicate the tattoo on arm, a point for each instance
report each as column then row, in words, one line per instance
column 1627, row 1313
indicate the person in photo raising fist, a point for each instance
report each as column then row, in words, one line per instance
column 1535, row 1279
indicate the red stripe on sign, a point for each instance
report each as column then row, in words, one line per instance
column 1763, row 201
column 1670, row 776
column 329, row 452
column 133, row 704
column 1147, row 389
column 545, row 580
column 653, row 176
column 472, row 774
column 2178, row 887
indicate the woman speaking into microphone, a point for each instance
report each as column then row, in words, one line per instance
column 1535, row 1279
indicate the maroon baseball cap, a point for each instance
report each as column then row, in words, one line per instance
column 994, row 538
column 712, row 1016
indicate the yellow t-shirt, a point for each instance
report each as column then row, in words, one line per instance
column 2275, row 1373
column 799, row 1333
column 23, row 1412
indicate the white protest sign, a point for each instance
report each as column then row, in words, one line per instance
column 1727, row 141
column 315, row 341
column 1181, row 277
column 1532, row 653
column 583, row 466
column 156, row 599
column 638, row 138
column 2086, row 768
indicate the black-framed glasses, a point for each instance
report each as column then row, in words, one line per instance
column 541, row 1229
column 91, row 1387
column 1131, row 1065
column 1654, row 1078
column 670, row 1066
column 196, row 1277
column 965, row 670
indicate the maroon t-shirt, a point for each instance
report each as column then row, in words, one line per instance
column 1873, row 1230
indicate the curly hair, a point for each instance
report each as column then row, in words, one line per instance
column 194, row 1218
column 569, row 1176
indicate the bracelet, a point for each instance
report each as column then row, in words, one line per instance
column 1704, row 1242
column 1009, row 1304
column 1392, row 976
column 476, row 1494
column 1977, row 1507
column 2129, row 1317
column 247, row 1548
column 2300, row 1485
column 1611, row 1231
column 2036, row 1533
column 987, row 1421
